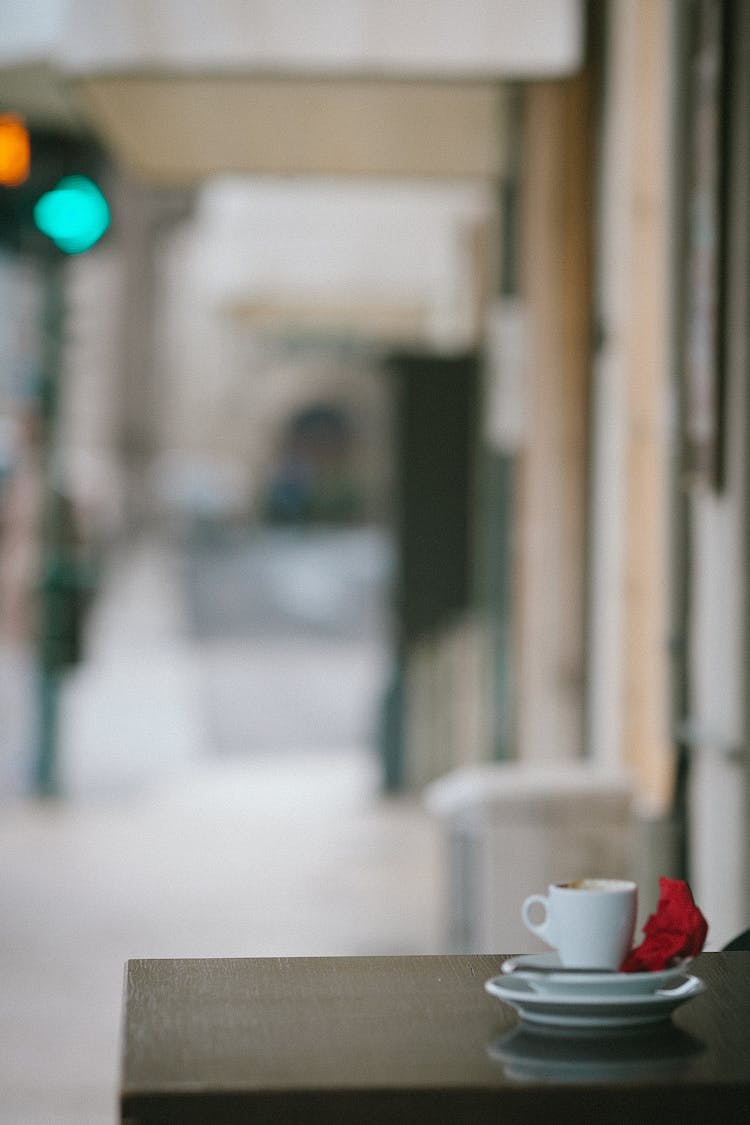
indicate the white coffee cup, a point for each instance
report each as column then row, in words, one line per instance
column 590, row 922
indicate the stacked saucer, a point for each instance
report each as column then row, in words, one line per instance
column 545, row 993
column 543, row 1054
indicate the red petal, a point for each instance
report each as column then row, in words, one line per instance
column 677, row 929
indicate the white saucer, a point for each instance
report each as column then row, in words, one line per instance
column 538, row 972
column 592, row 1010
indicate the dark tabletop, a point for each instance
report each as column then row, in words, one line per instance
column 371, row 1040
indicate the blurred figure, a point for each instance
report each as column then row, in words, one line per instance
column 46, row 584
column 314, row 479
column 20, row 517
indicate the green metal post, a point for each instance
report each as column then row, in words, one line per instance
column 46, row 779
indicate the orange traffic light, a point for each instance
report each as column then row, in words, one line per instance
column 15, row 150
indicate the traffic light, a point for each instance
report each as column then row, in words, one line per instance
column 74, row 214
column 50, row 202
column 15, row 150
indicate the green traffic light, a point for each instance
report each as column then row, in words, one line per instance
column 74, row 214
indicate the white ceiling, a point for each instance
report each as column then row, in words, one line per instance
column 181, row 90
column 439, row 38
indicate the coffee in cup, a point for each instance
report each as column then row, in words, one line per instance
column 590, row 922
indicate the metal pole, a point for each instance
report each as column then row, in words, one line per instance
column 52, row 577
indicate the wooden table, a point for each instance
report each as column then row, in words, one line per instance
column 372, row 1040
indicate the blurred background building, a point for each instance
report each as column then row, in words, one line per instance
column 424, row 326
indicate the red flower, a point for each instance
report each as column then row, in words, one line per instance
column 677, row 929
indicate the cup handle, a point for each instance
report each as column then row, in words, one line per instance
column 541, row 929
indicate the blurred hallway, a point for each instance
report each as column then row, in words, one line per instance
column 234, row 642
column 164, row 847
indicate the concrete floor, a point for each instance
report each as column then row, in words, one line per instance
column 163, row 848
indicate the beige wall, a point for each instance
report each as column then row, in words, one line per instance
column 555, row 288
column 629, row 605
